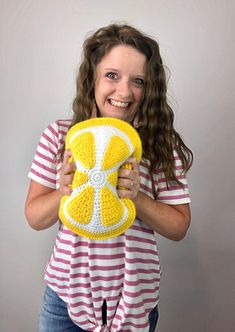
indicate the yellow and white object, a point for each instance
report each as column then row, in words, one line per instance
column 99, row 146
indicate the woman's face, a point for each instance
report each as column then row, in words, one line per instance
column 120, row 82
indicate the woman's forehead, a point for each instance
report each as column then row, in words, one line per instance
column 122, row 57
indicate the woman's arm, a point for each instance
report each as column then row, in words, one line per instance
column 42, row 203
column 42, row 206
column 171, row 221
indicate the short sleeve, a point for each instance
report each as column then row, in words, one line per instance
column 174, row 193
column 43, row 168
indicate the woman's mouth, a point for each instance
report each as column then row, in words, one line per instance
column 118, row 103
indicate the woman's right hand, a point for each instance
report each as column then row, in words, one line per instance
column 66, row 174
column 43, row 203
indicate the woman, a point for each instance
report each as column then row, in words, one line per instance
column 113, row 285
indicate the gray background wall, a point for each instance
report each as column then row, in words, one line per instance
column 40, row 44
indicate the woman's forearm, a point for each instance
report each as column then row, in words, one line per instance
column 171, row 221
column 42, row 206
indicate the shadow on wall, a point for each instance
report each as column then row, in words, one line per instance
column 185, row 291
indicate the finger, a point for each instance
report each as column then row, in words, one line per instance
column 132, row 166
column 132, row 175
column 125, row 183
column 135, row 166
column 65, row 184
column 133, row 162
column 66, row 190
column 68, row 166
column 124, row 173
column 68, row 179
column 67, row 155
column 124, row 193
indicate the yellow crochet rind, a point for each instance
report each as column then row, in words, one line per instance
column 82, row 141
column 99, row 147
column 109, row 233
column 121, row 151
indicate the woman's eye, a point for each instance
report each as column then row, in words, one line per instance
column 139, row 81
column 112, row 76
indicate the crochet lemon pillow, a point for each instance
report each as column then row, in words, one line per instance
column 99, row 146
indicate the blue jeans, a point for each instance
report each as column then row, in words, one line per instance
column 54, row 315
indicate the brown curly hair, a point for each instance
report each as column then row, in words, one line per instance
column 159, row 138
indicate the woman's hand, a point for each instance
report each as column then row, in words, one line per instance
column 171, row 221
column 66, row 174
column 42, row 203
column 129, row 180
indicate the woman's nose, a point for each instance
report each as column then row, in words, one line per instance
column 124, row 89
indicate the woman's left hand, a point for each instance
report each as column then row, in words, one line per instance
column 129, row 180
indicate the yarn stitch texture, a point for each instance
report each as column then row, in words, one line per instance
column 99, row 146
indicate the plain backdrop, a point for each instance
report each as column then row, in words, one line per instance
column 40, row 47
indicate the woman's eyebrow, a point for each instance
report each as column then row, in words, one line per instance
column 117, row 70
column 112, row 69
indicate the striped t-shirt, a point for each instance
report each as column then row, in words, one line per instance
column 124, row 271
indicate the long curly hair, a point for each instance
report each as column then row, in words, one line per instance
column 155, row 116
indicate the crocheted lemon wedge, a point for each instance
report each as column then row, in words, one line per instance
column 99, row 146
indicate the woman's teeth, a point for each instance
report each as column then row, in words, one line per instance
column 118, row 103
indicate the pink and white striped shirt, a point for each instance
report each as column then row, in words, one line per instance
column 124, row 270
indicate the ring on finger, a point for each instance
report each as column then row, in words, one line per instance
column 131, row 185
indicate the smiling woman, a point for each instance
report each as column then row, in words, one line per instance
column 111, row 284
column 119, row 85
